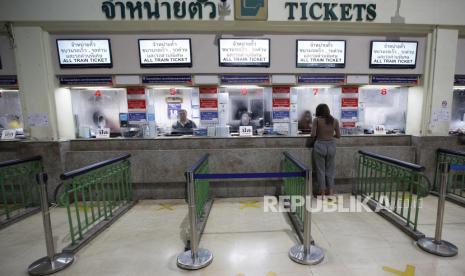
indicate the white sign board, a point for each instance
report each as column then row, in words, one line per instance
column 102, row 133
column 321, row 54
column 8, row 134
column 84, row 53
column 165, row 53
column 244, row 52
column 386, row 54
column 245, row 131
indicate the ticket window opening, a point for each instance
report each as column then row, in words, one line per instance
column 167, row 102
column 457, row 122
column 246, row 106
column 309, row 97
column 97, row 108
column 383, row 108
column 11, row 116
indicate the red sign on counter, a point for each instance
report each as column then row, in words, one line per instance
column 349, row 90
column 136, row 90
column 208, row 90
column 281, row 102
column 348, row 124
column 281, row 89
column 349, row 102
column 136, row 104
column 208, row 103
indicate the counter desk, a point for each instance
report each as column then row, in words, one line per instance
column 158, row 165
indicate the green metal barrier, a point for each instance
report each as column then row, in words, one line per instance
column 95, row 193
column 202, row 189
column 393, row 184
column 294, row 187
column 19, row 193
column 456, row 179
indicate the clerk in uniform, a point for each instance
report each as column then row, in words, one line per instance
column 183, row 124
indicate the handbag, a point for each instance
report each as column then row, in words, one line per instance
column 311, row 140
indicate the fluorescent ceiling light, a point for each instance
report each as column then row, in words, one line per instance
column 241, row 86
column 380, row 86
column 94, row 88
column 313, row 86
column 459, row 87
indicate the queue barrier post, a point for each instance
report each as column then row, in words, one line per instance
column 436, row 245
column 307, row 253
column 195, row 258
column 53, row 262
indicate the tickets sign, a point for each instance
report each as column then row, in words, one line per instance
column 393, row 54
column 244, row 52
column 321, row 53
column 350, row 102
column 165, row 53
column 84, row 53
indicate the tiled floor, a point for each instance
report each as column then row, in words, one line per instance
column 245, row 241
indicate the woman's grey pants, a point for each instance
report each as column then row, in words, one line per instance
column 324, row 154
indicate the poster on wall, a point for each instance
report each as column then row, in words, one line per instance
column 84, row 53
column 241, row 52
column 165, row 53
column 394, row 54
column 208, row 97
column 137, row 105
column 349, row 106
column 281, row 104
column 321, row 54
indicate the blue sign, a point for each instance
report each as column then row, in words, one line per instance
column 459, row 80
column 137, row 116
column 349, row 114
column 280, row 115
column 173, row 109
column 245, row 79
column 321, row 79
column 70, row 80
column 157, row 79
column 394, row 79
column 209, row 115
column 8, row 80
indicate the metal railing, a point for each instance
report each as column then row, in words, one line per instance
column 393, row 185
column 297, row 185
column 19, row 193
column 199, row 202
column 95, row 193
column 455, row 190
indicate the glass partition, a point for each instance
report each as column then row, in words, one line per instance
column 457, row 122
column 11, row 116
column 383, row 110
column 95, row 108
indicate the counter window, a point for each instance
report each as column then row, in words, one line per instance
column 98, row 108
column 10, row 111
column 457, row 123
column 383, row 110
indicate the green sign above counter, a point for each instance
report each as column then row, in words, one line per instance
column 310, row 10
column 243, row 10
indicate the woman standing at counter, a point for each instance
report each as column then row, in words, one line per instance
column 324, row 129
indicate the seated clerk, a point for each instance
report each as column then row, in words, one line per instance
column 246, row 120
column 305, row 123
column 183, row 125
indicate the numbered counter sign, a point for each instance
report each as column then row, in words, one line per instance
column 245, row 131
column 103, row 133
column 8, row 134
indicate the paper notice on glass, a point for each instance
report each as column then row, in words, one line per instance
column 440, row 115
column 38, row 119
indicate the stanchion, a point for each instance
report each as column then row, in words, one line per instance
column 196, row 258
column 307, row 253
column 436, row 245
column 52, row 262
